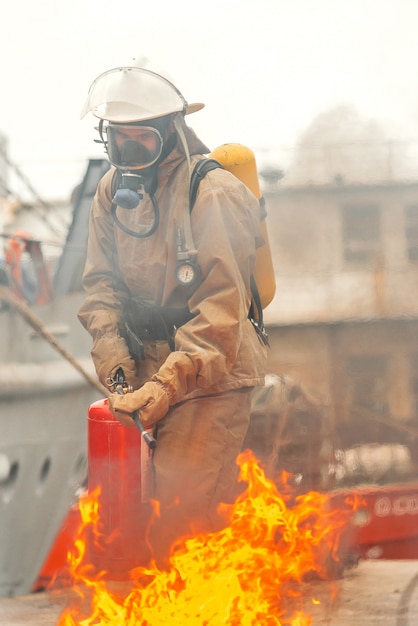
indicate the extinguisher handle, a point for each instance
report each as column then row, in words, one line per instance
column 148, row 438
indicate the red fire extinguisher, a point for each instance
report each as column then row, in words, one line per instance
column 115, row 454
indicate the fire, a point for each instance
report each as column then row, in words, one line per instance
column 250, row 572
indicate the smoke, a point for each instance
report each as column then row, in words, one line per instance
column 342, row 146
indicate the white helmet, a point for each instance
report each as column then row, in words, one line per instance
column 134, row 93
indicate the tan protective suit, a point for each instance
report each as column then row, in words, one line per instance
column 218, row 355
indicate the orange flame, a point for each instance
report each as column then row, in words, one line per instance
column 247, row 573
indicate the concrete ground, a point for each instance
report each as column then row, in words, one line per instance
column 373, row 593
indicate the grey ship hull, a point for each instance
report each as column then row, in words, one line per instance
column 44, row 402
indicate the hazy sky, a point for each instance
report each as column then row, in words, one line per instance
column 264, row 68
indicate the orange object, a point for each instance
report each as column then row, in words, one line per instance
column 54, row 569
column 18, row 244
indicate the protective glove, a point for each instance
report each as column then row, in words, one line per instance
column 151, row 401
column 109, row 354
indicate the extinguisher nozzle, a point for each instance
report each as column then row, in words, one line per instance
column 149, row 439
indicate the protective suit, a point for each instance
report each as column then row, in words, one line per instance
column 199, row 385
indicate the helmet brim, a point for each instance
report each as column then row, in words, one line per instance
column 193, row 108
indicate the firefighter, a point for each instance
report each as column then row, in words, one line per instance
column 168, row 295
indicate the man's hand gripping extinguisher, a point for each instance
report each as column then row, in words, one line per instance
column 121, row 387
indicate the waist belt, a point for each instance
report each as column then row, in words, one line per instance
column 144, row 322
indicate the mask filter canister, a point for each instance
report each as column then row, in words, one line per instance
column 127, row 196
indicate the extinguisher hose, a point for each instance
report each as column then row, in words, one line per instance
column 148, row 438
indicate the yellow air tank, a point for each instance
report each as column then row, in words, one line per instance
column 240, row 161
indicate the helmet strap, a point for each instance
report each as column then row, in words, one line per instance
column 178, row 122
column 189, row 245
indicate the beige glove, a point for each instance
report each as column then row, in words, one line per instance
column 151, row 401
column 109, row 354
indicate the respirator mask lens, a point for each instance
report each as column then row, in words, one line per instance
column 132, row 147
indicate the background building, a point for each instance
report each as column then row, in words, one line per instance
column 344, row 321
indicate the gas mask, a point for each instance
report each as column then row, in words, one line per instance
column 133, row 149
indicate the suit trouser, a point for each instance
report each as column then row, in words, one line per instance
column 195, row 465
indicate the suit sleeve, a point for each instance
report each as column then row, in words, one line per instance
column 100, row 312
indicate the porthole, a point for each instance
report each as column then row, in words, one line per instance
column 43, row 476
column 8, row 486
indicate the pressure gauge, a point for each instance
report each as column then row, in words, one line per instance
column 187, row 273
